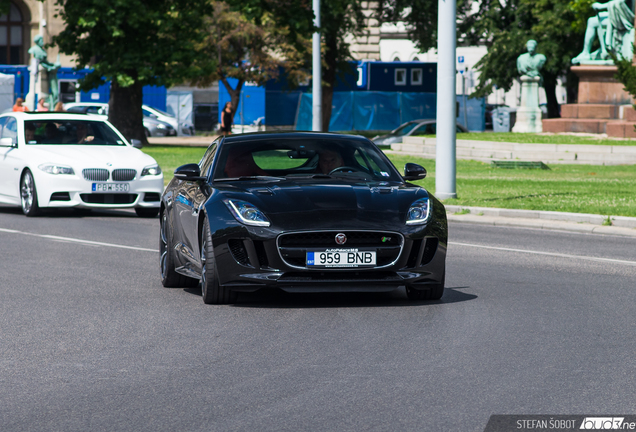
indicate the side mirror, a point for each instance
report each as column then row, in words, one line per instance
column 6, row 142
column 414, row 172
column 136, row 143
column 190, row 172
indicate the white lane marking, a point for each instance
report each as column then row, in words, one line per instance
column 74, row 240
column 554, row 254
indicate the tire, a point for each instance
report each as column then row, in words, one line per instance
column 29, row 195
column 434, row 292
column 147, row 212
column 211, row 290
column 169, row 277
column 146, row 132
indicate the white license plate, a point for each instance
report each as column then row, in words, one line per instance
column 111, row 187
column 341, row 258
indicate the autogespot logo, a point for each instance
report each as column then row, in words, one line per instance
column 602, row 423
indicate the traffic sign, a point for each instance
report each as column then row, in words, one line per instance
column 460, row 59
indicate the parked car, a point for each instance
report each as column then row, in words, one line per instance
column 303, row 212
column 152, row 127
column 412, row 128
column 206, row 116
column 61, row 160
column 184, row 128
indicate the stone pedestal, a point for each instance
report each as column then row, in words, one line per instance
column 600, row 108
column 529, row 113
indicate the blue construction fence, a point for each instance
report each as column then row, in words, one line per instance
column 362, row 110
column 153, row 96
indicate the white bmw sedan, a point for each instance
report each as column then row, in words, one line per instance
column 73, row 160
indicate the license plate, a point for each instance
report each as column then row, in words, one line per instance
column 341, row 258
column 111, row 187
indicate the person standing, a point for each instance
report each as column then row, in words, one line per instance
column 226, row 119
column 59, row 107
column 19, row 107
column 41, row 107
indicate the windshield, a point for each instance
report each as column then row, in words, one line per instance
column 70, row 132
column 404, row 129
column 358, row 160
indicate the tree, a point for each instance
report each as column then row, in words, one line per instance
column 250, row 47
column 131, row 43
column 554, row 24
column 504, row 27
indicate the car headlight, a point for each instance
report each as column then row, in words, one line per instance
column 161, row 126
column 56, row 169
column 419, row 212
column 246, row 213
column 152, row 170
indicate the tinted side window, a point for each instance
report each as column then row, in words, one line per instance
column 207, row 159
column 3, row 121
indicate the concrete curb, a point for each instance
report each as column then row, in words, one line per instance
column 576, row 222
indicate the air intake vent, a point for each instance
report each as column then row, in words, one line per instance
column 429, row 250
column 415, row 250
column 60, row 196
column 238, row 251
column 96, row 174
column 108, row 198
column 152, row 197
column 124, row 174
column 261, row 254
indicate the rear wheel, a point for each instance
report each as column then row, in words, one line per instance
column 146, row 132
column 29, row 195
column 211, row 289
column 434, row 292
column 169, row 277
column 147, row 212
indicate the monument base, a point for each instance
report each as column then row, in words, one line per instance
column 529, row 114
column 599, row 104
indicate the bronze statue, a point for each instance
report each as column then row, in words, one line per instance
column 614, row 27
column 530, row 63
column 39, row 53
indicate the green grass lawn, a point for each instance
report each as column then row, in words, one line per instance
column 533, row 138
column 604, row 190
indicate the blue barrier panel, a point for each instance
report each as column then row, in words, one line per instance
column 155, row 97
column 281, row 107
column 475, row 113
column 21, row 79
column 417, row 106
column 251, row 104
column 342, row 111
column 304, row 116
column 386, row 110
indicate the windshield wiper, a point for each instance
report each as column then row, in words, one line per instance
column 271, row 178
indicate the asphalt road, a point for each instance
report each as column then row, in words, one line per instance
column 532, row 322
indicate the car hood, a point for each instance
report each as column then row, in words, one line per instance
column 86, row 156
column 328, row 203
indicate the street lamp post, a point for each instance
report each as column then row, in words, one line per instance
column 445, row 170
column 316, row 73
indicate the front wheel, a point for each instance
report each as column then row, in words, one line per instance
column 434, row 292
column 147, row 212
column 211, row 289
column 29, row 195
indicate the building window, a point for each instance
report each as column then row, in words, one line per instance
column 416, row 59
column 416, row 76
column 396, row 58
column 400, row 77
column 11, row 37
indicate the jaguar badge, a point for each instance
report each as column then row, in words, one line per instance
column 341, row 238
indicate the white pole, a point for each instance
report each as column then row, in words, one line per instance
column 316, row 73
column 445, row 175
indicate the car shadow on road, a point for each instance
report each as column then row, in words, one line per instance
column 275, row 298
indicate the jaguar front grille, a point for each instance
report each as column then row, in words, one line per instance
column 124, row 174
column 293, row 247
column 96, row 174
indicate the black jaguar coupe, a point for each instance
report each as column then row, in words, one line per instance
column 302, row 212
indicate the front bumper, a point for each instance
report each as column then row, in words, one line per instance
column 64, row 191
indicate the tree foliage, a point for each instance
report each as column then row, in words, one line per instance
column 250, row 44
column 131, row 43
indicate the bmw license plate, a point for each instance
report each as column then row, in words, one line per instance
column 341, row 258
column 111, row 187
